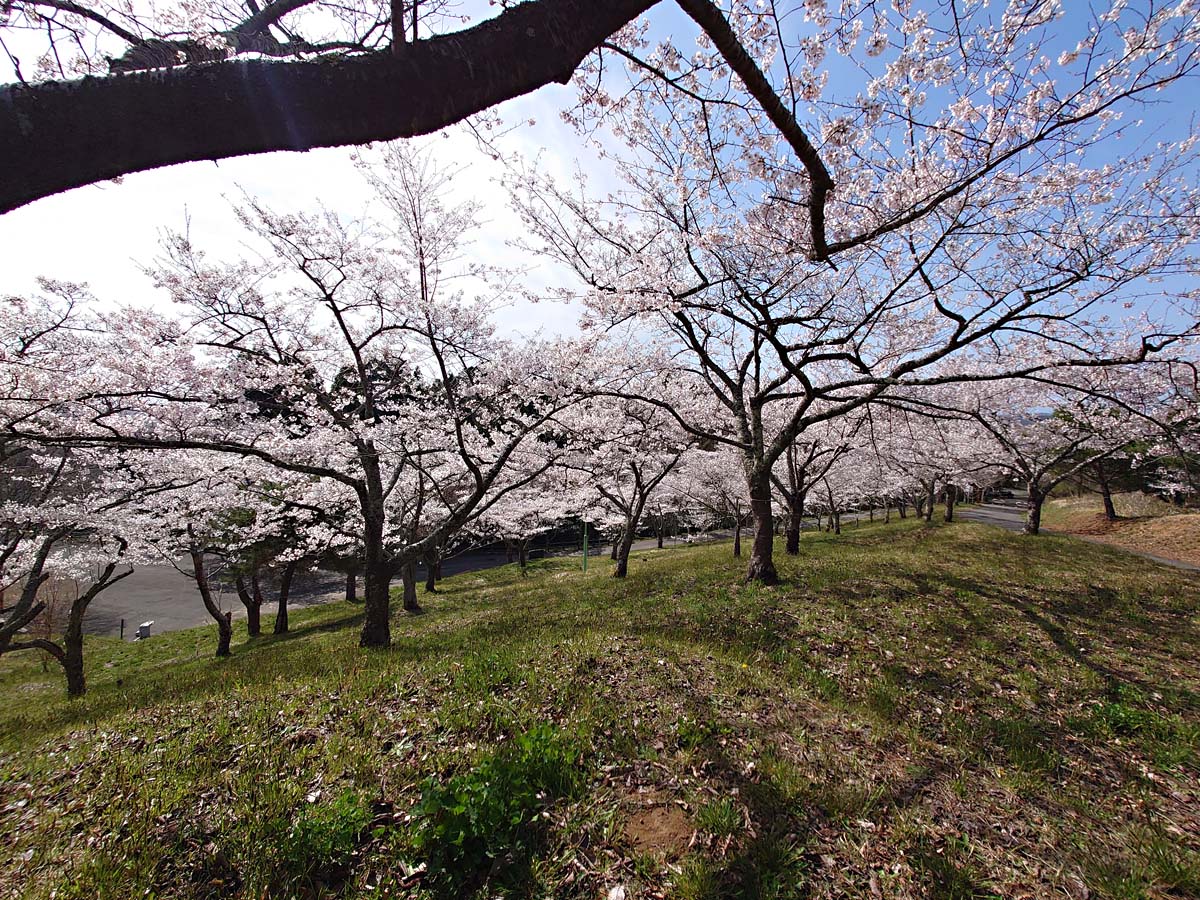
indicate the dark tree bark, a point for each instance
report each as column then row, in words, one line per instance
column 285, row 590
column 795, row 524
column 59, row 135
column 377, row 582
column 223, row 619
column 1033, row 509
column 253, row 604
column 762, row 561
column 523, row 555
column 616, row 545
column 930, row 499
column 28, row 607
column 433, row 561
column 1110, row 510
column 737, row 536
column 72, row 661
column 902, row 509
column 377, row 578
column 408, row 577
column 628, row 533
column 351, row 588
column 951, row 494
column 398, row 36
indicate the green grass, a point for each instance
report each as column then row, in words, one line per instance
column 917, row 711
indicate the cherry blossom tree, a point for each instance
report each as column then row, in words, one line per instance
column 1045, row 432
column 712, row 491
column 627, row 462
column 976, row 203
column 805, row 462
column 339, row 354
column 932, row 449
column 539, row 507
column 67, row 514
column 64, row 517
column 1174, row 454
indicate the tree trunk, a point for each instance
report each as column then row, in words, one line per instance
column 616, row 545
column 887, row 512
column 930, row 500
column 795, row 524
column 408, row 576
column 951, row 493
column 659, row 531
column 737, row 536
column 1110, row 510
column 285, row 589
column 1033, row 511
column 377, row 568
column 377, row 585
column 351, row 588
column 762, row 562
column 837, row 522
column 510, row 554
column 523, row 555
column 431, row 571
column 72, row 660
column 223, row 619
column 902, row 509
column 253, row 609
column 628, row 534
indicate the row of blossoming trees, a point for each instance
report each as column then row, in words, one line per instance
column 862, row 257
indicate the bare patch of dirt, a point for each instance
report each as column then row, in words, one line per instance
column 1095, row 525
column 1172, row 537
column 661, row 829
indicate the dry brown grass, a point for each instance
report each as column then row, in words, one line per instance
column 1146, row 524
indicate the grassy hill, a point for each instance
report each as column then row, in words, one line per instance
column 919, row 711
column 1146, row 524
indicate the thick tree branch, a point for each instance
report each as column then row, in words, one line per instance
column 709, row 17
column 59, row 135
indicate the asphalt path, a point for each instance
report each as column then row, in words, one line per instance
column 1008, row 514
column 168, row 597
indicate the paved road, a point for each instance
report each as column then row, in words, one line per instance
column 169, row 598
column 1007, row 514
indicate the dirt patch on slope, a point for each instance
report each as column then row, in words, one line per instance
column 661, row 829
column 1172, row 537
